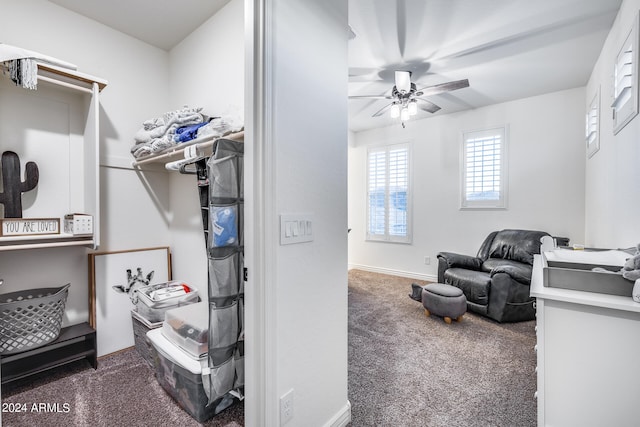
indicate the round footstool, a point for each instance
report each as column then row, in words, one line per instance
column 444, row 300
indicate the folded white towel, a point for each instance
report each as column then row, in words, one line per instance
column 153, row 123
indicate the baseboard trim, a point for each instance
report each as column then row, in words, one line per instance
column 393, row 272
column 342, row 418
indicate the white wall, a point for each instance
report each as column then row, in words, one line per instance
column 612, row 173
column 206, row 70
column 545, row 185
column 299, row 315
column 138, row 78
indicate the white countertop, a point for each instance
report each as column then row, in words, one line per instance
column 538, row 290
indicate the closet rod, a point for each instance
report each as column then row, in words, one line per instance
column 65, row 84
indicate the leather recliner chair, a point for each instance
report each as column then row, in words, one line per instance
column 496, row 282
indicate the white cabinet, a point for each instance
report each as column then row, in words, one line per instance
column 587, row 355
column 57, row 126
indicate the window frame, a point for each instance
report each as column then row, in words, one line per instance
column 387, row 237
column 501, row 203
column 592, row 125
column 625, row 90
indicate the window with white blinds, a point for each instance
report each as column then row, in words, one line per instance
column 484, row 169
column 592, row 125
column 625, row 78
column 388, row 193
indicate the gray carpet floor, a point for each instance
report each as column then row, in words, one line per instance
column 406, row 369
column 123, row 391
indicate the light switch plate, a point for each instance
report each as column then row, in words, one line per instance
column 296, row 228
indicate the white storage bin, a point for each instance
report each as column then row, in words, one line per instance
column 155, row 300
column 188, row 327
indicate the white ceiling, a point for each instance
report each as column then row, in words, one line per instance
column 508, row 49
column 161, row 23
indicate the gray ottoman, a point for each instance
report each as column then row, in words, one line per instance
column 444, row 300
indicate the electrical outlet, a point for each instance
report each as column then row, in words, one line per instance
column 427, row 260
column 286, row 407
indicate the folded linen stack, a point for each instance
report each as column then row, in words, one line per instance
column 181, row 126
column 158, row 133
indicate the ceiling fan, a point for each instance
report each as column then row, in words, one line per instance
column 405, row 98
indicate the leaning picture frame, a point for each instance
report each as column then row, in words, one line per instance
column 114, row 277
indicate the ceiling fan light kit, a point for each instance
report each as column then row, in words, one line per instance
column 403, row 81
column 413, row 107
column 404, row 114
column 405, row 96
column 395, row 111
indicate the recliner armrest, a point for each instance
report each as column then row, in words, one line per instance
column 518, row 273
column 454, row 260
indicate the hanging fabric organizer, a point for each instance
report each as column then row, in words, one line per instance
column 220, row 186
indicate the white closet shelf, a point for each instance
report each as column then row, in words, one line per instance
column 60, row 76
column 13, row 243
column 68, row 78
column 177, row 152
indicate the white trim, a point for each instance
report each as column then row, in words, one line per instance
column 260, row 306
column 342, row 418
column 394, row 272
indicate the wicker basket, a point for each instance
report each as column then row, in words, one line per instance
column 31, row 318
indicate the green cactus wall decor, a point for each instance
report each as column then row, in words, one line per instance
column 13, row 186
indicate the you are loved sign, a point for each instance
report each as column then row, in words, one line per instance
column 29, row 227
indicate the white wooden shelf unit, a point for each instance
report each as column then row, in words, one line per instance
column 91, row 86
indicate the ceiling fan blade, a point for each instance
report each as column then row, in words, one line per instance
column 365, row 78
column 443, row 87
column 403, row 81
column 362, row 72
column 401, row 17
column 382, row 110
column 370, row 97
column 427, row 105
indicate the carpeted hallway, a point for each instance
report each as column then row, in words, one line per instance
column 406, row 369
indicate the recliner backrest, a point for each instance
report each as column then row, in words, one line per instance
column 483, row 252
column 516, row 245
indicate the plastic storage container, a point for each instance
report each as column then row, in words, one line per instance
column 140, row 328
column 155, row 300
column 188, row 328
column 180, row 376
